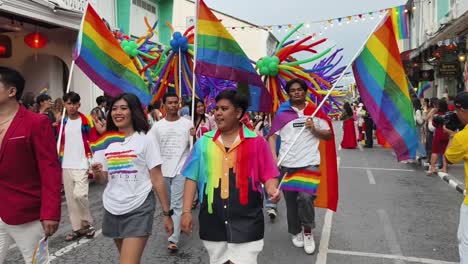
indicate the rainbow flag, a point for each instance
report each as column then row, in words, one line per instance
column 43, row 90
column 100, row 57
column 106, row 139
column 382, row 84
column 423, row 87
column 219, row 56
column 327, row 191
column 400, row 22
column 302, row 181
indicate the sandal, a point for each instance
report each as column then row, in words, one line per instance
column 172, row 247
column 90, row 232
column 73, row 236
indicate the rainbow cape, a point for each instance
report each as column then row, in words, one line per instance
column 106, row 139
column 302, row 181
column 327, row 192
column 382, row 84
column 400, row 22
column 423, row 87
column 219, row 56
column 100, row 57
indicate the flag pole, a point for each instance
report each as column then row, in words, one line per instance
column 72, row 66
column 180, row 72
column 59, row 141
column 194, row 76
column 329, row 91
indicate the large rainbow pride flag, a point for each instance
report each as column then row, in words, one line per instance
column 220, row 56
column 382, row 84
column 400, row 22
column 100, row 56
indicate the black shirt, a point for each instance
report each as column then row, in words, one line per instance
column 231, row 221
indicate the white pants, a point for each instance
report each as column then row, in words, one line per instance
column 76, row 186
column 243, row 253
column 463, row 234
column 25, row 236
column 175, row 189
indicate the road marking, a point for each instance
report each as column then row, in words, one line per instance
column 360, row 147
column 367, row 168
column 370, row 176
column 390, row 235
column 325, row 239
column 72, row 246
column 388, row 256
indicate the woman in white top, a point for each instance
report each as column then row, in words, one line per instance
column 419, row 121
column 131, row 169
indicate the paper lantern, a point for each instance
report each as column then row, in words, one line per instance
column 35, row 40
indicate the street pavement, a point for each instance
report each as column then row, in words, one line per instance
column 388, row 212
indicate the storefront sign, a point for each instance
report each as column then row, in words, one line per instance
column 448, row 68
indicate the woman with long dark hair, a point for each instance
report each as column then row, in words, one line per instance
column 228, row 165
column 131, row 170
column 202, row 122
column 349, row 131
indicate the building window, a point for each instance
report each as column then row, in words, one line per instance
column 145, row 4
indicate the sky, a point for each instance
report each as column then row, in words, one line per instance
column 350, row 36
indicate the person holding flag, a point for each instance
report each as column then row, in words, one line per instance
column 302, row 161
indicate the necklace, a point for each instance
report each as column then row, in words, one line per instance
column 125, row 142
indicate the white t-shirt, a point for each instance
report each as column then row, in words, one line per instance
column 128, row 164
column 74, row 156
column 174, row 141
column 305, row 151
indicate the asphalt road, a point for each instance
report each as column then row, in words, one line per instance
column 388, row 213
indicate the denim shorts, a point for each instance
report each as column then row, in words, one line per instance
column 137, row 223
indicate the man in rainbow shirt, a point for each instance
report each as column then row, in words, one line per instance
column 77, row 131
column 456, row 152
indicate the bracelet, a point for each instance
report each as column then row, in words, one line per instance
column 186, row 212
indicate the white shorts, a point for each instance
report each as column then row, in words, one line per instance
column 242, row 253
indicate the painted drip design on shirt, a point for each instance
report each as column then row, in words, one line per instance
column 120, row 165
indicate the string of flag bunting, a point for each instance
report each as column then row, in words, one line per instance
column 325, row 23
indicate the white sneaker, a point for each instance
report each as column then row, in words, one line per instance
column 298, row 240
column 271, row 213
column 309, row 243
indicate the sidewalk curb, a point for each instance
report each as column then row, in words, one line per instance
column 459, row 187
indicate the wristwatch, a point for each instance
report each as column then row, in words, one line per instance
column 168, row 213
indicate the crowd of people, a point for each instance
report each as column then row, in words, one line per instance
column 435, row 123
column 231, row 172
column 231, row 169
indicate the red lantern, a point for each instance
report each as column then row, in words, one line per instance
column 35, row 40
column 3, row 50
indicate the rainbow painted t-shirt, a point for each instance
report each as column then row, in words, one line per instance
column 209, row 164
column 127, row 164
